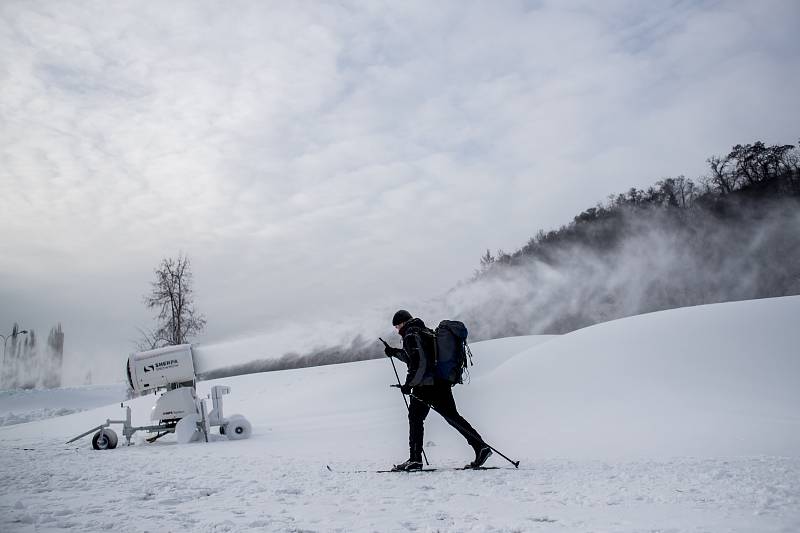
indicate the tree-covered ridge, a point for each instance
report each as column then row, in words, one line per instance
column 749, row 172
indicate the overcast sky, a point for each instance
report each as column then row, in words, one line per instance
column 331, row 159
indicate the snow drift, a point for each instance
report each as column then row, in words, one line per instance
column 710, row 380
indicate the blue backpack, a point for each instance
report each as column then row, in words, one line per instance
column 452, row 351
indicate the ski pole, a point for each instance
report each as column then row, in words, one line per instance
column 403, row 395
column 456, row 424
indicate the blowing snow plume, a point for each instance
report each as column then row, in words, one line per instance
column 659, row 260
column 736, row 236
column 255, row 349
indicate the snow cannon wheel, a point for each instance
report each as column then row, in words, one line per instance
column 186, row 430
column 105, row 439
column 236, row 427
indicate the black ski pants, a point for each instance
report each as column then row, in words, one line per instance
column 440, row 396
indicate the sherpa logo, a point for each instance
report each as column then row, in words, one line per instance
column 161, row 364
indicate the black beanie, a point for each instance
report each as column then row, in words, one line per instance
column 400, row 317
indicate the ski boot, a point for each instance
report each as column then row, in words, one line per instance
column 408, row 466
column 481, row 455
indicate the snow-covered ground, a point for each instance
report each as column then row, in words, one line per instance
column 683, row 420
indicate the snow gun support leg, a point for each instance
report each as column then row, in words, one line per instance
column 454, row 423
column 424, row 455
column 127, row 429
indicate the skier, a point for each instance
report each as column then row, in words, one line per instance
column 418, row 354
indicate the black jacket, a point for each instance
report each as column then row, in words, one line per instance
column 417, row 352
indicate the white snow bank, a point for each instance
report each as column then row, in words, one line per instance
column 11, row 419
column 709, row 380
column 20, row 406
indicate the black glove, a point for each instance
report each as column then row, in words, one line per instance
column 405, row 389
column 389, row 351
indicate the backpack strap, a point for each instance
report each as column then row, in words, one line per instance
column 432, row 334
column 427, row 332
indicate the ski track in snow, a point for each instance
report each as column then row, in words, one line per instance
column 211, row 487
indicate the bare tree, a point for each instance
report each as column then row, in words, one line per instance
column 173, row 296
column 686, row 191
column 722, row 178
column 148, row 340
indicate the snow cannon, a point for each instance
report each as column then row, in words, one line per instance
column 177, row 410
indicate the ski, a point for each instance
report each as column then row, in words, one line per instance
column 455, row 469
column 439, row 469
column 378, row 471
column 401, row 471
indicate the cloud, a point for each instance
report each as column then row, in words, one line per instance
column 317, row 158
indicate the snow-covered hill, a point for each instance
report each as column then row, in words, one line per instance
column 680, row 420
